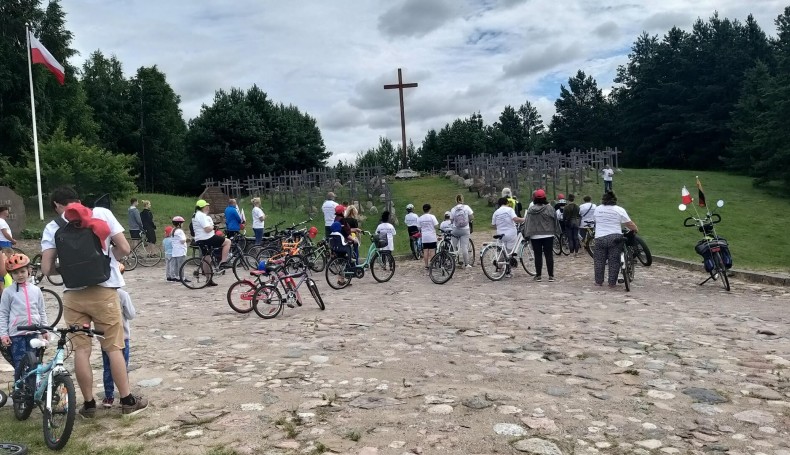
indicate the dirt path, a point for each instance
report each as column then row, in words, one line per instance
column 469, row 367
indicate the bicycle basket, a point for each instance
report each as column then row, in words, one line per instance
column 380, row 241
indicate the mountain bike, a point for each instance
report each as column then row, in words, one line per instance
column 268, row 301
column 497, row 260
column 713, row 249
column 640, row 248
column 241, row 262
column 199, row 270
column 628, row 259
column 48, row 385
column 589, row 239
column 343, row 268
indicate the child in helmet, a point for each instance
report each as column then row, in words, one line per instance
column 179, row 242
column 21, row 304
column 167, row 245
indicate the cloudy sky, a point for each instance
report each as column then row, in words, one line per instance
column 331, row 58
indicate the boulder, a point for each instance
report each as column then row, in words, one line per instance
column 449, row 174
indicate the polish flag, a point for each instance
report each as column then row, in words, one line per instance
column 685, row 196
column 40, row 54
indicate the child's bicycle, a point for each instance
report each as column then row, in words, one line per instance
column 240, row 294
column 48, row 385
column 381, row 263
column 714, row 250
column 268, row 301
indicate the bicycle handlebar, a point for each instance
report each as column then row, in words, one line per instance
column 713, row 218
column 62, row 330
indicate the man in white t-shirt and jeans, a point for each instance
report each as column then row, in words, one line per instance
column 328, row 209
column 505, row 219
column 608, row 175
column 98, row 304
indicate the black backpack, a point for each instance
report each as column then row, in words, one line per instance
column 80, row 255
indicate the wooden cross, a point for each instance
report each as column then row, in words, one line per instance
column 400, row 86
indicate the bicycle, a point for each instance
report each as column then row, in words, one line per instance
column 198, row 271
column 148, row 254
column 496, row 260
column 442, row 265
column 343, row 268
column 240, row 294
column 640, row 248
column 589, row 240
column 48, row 386
column 415, row 243
column 711, row 247
column 12, row 448
column 268, row 302
column 455, row 251
column 241, row 262
column 628, row 259
column 38, row 275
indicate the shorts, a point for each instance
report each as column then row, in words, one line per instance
column 428, row 245
column 134, row 234
column 215, row 241
column 99, row 305
column 6, row 244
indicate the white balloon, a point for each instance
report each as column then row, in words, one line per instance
column 682, row 207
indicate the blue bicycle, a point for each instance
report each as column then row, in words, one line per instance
column 48, row 385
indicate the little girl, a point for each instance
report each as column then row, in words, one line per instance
column 179, row 242
column 167, row 243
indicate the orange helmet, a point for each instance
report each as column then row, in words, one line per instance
column 16, row 261
column 312, row 232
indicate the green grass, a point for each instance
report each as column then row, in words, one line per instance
column 753, row 219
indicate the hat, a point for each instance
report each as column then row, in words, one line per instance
column 560, row 196
column 201, row 203
column 340, row 209
column 506, row 192
column 446, row 214
column 539, row 194
column 168, row 230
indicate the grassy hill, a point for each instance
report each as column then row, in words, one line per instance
column 753, row 221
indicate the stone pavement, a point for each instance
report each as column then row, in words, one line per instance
column 471, row 367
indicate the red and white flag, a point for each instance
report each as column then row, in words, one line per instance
column 40, row 54
column 685, row 196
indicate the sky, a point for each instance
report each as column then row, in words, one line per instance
column 331, row 58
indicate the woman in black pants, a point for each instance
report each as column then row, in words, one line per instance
column 541, row 226
column 148, row 222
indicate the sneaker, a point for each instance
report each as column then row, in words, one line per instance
column 186, row 281
column 140, row 403
column 225, row 265
column 211, row 283
column 87, row 413
column 537, row 278
column 508, row 275
column 107, row 402
column 468, row 266
column 551, row 279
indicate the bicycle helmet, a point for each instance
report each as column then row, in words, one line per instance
column 312, row 232
column 506, row 192
column 409, row 207
column 178, row 219
column 16, row 261
column 262, row 265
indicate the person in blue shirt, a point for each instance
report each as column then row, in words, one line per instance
column 232, row 219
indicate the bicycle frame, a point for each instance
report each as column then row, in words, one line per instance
column 44, row 373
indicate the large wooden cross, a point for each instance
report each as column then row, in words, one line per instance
column 400, row 86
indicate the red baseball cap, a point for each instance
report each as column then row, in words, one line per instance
column 560, row 196
column 339, row 209
column 539, row 193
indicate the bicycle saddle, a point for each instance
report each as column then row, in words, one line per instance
column 499, row 236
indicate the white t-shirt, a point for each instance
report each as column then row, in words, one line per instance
column 388, row 230
column 427, row 224
column 99, row 213
column 503, row 220
column 179, row 240
column 464, row 207
column 4, row 225
column 587, row 212
column 328, row 209
column 199, row 223
column 257, row 213
column 607, row 175
column 609, row 220
column 411, row 219
column 446, row 225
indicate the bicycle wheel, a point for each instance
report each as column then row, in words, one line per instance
column 267, row 301
column 442, row 267
column 24, row 405
column 382, row 267
column 642, row 252
column 148, row 254
column 526, row 256
column 3, row 400
column 721, row 270
column 266, row 253
column 12, row 448
column 59, row 421
column 494, row 262
column 336, row 276
column 316, row 259
column 242, row 266
column 54, row 278
column 195, row 273
column 130, row 261
column 295, row 264
column 624, row 271
column 589, row 245
column 471, row 251
column 240, row 295
column 630, row 265
column 53, row 306
column 413, row 247
column 565, row 246
column 557, row 245
column 313, row 287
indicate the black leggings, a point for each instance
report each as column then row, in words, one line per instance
column 543, row 247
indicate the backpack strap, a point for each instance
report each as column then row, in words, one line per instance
column 60, row 221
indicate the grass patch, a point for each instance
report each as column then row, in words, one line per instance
column 353, row 435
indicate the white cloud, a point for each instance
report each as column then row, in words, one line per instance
column 331, row 59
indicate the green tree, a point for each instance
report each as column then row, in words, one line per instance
column 532, row 124
column 108, row 94
column 64, row 161
column 581, row 120
column 512, row 127
column 384, row 155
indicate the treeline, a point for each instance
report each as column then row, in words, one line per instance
column 714, row 98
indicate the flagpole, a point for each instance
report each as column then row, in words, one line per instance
column 35, row 131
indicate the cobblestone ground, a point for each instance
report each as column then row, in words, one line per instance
column 471, row 367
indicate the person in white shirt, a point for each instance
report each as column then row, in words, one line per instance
column 410, row 220
column 328, row 209
column 608, row 175
column 205, row 237
column 387, row 229
column 258, row 218
column 446, row 225
column 587, row 212
column 609, row 221
column 462, row 216
column 6, row 239
column 179, row 243
column 99, row 304
column 427, row 224
column 505, row 219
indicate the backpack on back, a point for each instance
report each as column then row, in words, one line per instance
column 81, row 258
column 460, row 218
